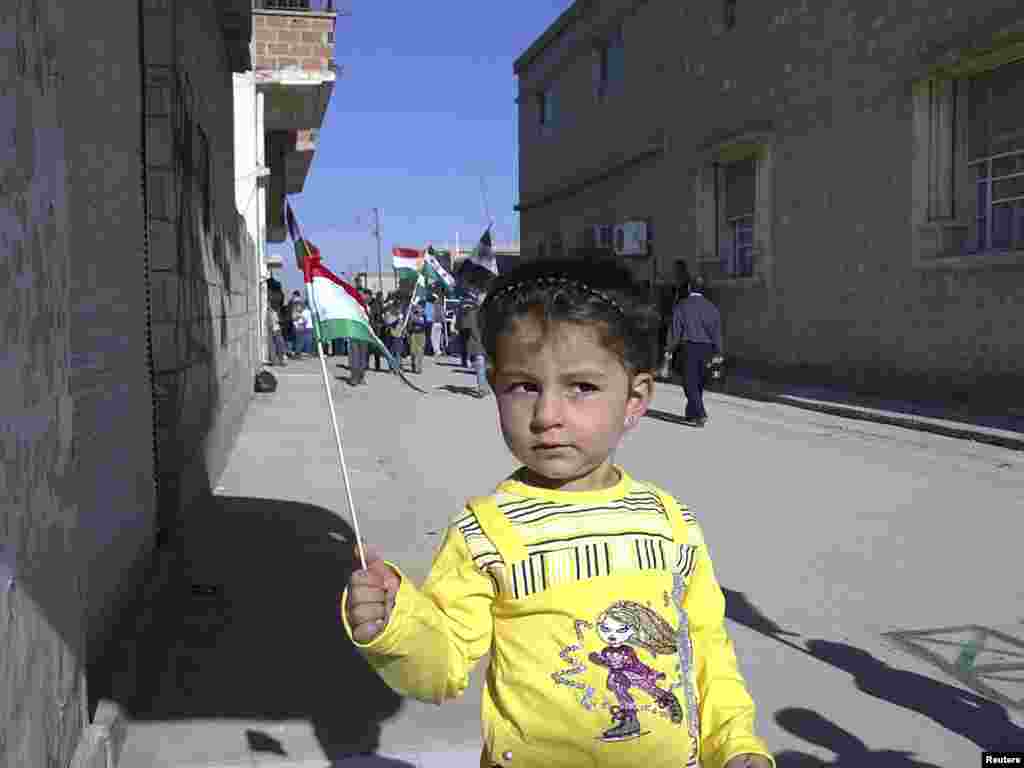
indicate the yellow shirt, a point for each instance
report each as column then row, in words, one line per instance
column 604, row 622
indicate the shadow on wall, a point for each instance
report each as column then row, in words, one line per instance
column 985, row 723
column 257, row 633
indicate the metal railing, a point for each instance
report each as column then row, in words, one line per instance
column 297, row 6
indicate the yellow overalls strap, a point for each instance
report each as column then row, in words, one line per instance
column 681, row 530
column 498, row 529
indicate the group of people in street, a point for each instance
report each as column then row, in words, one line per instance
column 692, row 339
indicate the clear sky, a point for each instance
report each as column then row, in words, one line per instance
column 424, row 106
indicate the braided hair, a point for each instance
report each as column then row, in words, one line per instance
column 600, row 294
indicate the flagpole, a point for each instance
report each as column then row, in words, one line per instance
column 334, row 416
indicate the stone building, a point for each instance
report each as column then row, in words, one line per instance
column 847, row 176
column 131, row 333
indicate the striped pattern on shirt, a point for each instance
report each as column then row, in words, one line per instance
column 566, row 543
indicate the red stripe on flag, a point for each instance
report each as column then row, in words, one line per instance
column 405, row 253
column 319, row 270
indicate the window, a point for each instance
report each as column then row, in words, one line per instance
column 995, row 160
column 734, row 219
column 547, row 112
column 609, row 65
column 968, row 173
column 740, row 190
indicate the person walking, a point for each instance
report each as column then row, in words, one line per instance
column 697, row 324
column 460, row 326
column 393, row 324
column 474, row 347
column 302, row 318
column 376, row 306
column 288, row 323
column 277, row 347
column 417, row 334
column 437, row 333
column 428, row 314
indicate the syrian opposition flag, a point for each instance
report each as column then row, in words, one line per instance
column 435, row 272
column 481, row 267
column 407, row 262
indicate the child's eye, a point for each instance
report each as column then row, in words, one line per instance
column 586, row 386
column 520, row 386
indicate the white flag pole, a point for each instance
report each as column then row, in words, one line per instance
column 311, row 298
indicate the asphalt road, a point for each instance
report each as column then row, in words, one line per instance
column 849, row 552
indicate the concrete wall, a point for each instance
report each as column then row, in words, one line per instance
column 42, row 625
column 845, row 292
column 204, row 265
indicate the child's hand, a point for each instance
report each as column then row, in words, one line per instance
column 371, row 598
column 749, row 761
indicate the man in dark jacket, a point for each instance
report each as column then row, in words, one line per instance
column 697, row 323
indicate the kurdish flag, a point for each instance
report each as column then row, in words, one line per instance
column 340, row 312
column 407, row 262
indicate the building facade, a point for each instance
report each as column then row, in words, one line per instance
column 852, row 192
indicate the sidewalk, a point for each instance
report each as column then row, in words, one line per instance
column 1005, row 430
column 259, row 673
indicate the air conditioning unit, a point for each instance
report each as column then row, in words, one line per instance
column 631, row 238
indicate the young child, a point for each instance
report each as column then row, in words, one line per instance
column 592, row 591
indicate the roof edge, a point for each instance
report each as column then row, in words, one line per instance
column 570, row 15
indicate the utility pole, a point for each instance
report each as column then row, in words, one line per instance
column 380, row 266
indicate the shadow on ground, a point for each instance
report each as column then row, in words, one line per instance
column 457, row 390
column 257, row 634
column 975, row 718
column 671, row 418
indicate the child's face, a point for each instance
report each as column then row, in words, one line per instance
column 613, row 632
column 563, row 399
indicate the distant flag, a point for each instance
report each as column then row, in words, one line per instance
column 293, row 227
column 435, row 271
column 481, row 266
column 407, row 262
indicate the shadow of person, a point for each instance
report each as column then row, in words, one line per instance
column 371, row 761
column 457, row 390
column 974, row 717
column 258, row 633
column 850, row 751
column 671, row 418
column 738, row 608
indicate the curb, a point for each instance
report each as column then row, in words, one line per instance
column 758, row 390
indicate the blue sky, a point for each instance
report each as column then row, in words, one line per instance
column 423, row 107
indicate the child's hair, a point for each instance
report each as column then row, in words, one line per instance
column 650, row 630
column 595, row 293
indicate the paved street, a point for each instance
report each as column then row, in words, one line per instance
column 826, row 533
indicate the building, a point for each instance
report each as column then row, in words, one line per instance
column 851, row 192
column 280, row 105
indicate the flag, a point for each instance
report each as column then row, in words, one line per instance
column 435, row 271
column 340, row 312
column 293, row 227
column 407, row 262
column 477, row 271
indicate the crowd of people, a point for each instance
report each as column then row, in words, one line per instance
column 691, row 336
column 423, row 329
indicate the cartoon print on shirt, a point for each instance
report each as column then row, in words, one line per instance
column 622, row 626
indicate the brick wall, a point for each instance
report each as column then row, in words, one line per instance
column 284, row 40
